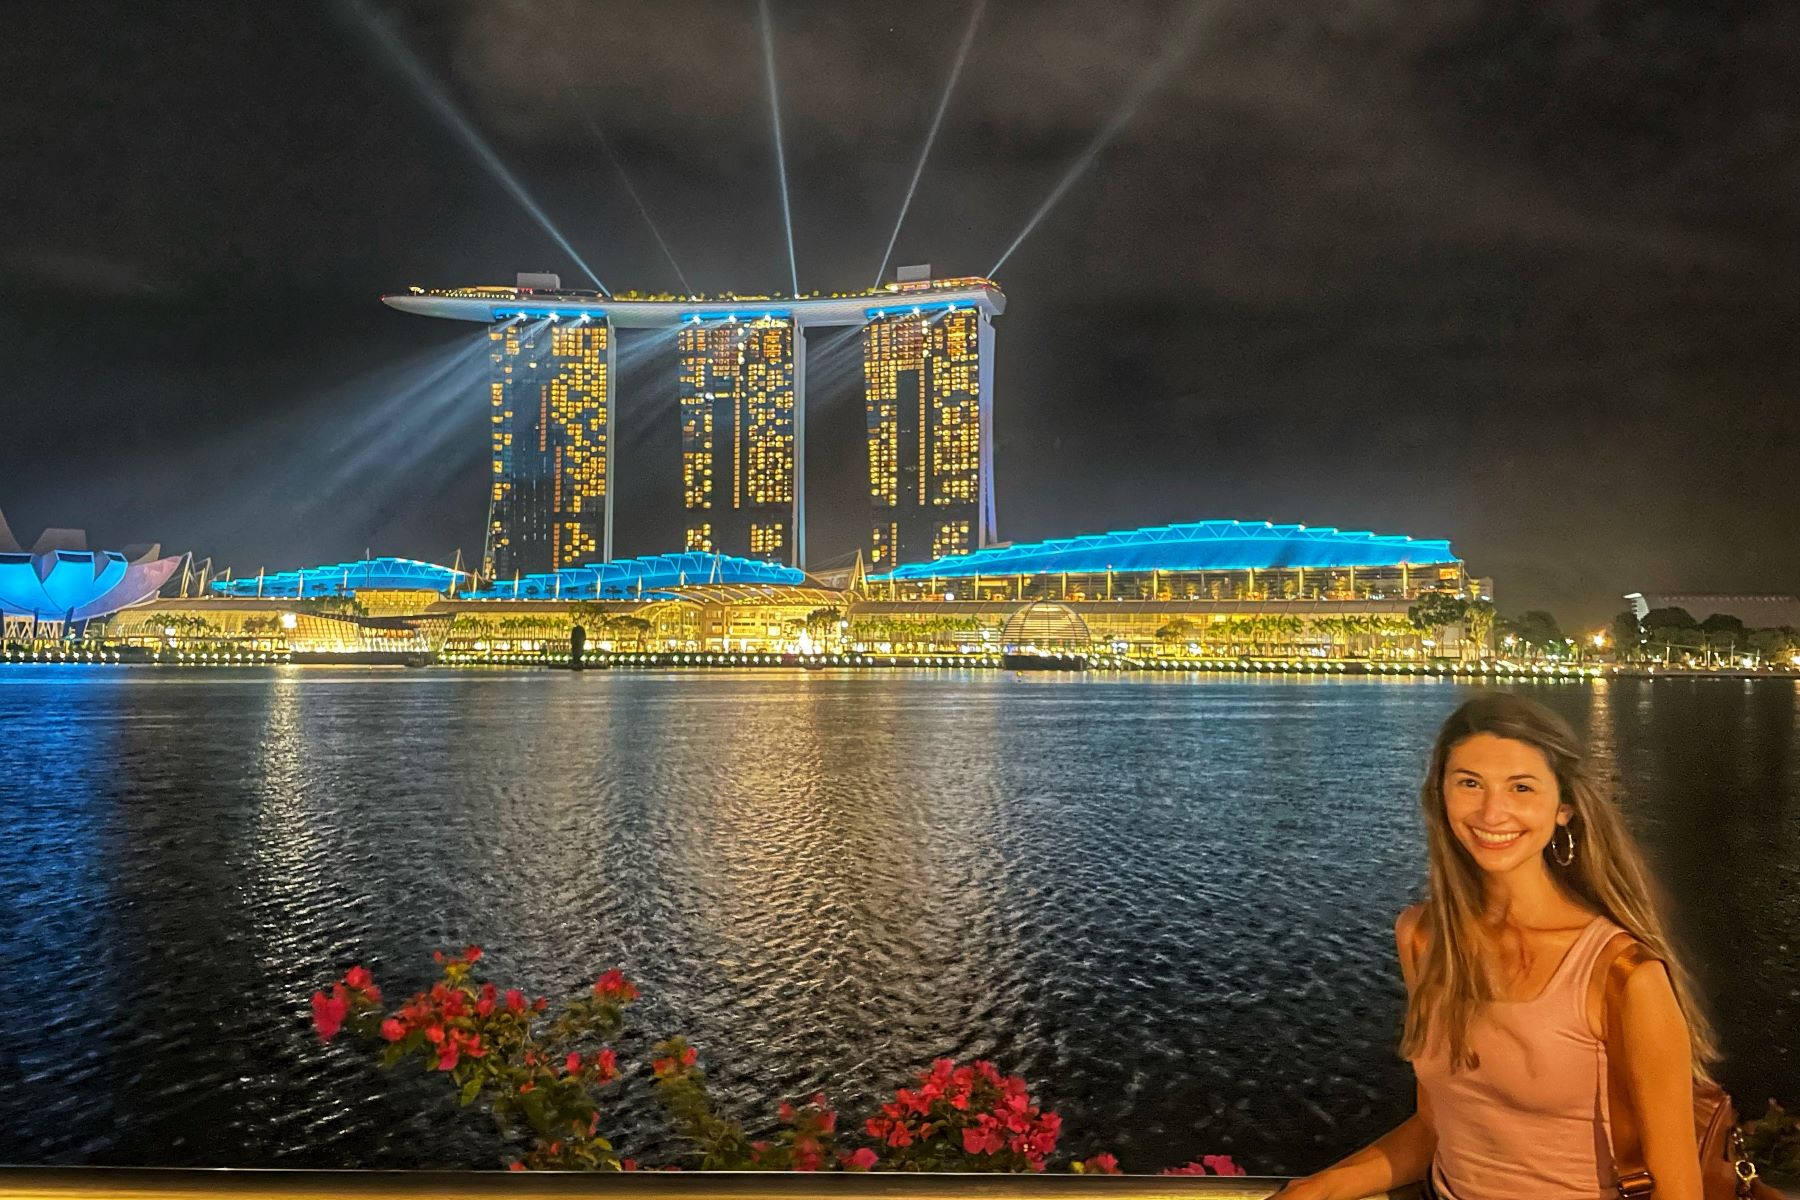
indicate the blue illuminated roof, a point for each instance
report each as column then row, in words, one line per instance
column 60, row 579
column 1201, row 546
column 344, row 579
column 629, row 577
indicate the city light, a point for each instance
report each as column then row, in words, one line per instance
column 787, row 212
column 441, row 103
column 937, row 119
column 1174, row 50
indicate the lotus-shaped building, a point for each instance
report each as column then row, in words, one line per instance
column 60, row 582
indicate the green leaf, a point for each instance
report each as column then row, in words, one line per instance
column 470, row 1090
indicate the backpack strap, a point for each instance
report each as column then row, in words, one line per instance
column 1634, row 1179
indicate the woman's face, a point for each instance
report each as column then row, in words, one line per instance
column 1502, row 801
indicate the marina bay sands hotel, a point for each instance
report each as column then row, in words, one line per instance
column 928, row 389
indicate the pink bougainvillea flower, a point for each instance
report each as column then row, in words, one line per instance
column 1101, row 1164
column 689, row 1057
column 606, row 1063
column 1221, row 1164
column 984, row 1137
column 472, row 954
column 612, row 985
column 358, row 978
column 863, row 1160
column 328, row 1014
column 392, row 1030
column 572, row 1064
column 515, row 1165
column 515, row 1001
column 785, row 1113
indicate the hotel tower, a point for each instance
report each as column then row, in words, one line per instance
column 550, row 415
column 928, row 352
column 738, row 437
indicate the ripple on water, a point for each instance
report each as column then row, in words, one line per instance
column 1168, row 904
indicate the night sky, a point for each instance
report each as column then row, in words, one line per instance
column 1526, row 276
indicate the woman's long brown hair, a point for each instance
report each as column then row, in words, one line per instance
column 1608, row 875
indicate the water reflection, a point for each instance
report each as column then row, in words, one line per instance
column 1168, row 903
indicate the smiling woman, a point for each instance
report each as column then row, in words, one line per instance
column 1539, row 949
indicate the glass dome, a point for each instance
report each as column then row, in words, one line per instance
column 1045, row 626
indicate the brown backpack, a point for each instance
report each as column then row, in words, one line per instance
column 1725, row 1174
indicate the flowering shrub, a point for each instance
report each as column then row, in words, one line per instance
column 1773, row 1142
column 543, row 1076
column 969, row 1118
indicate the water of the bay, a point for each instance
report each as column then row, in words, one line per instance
column 1167, row 902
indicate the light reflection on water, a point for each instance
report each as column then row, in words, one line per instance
column 1168, row 903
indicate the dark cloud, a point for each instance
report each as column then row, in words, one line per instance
column 58, row 268
column 1520, row 275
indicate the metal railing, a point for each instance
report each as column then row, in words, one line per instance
column 132, row 1183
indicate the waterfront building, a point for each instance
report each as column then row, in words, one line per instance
column 633, row 578
column 410, row 582
column 738, row 437
column 1202, row 561
column 1243, row 591
column 59, row 584
column 550, row 416
column 928, row 358
column 360, row 578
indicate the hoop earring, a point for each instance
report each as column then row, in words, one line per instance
column 1560, row 859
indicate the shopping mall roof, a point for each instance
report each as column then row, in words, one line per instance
column 1200, row 546
column 627, row 577
column 345, row 579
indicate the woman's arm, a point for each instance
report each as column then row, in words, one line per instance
column 1400, row 1156
column 1403, row 1154
column 1659, row 1078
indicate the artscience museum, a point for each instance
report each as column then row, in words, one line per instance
column 59, row 583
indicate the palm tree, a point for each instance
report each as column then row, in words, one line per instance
column 1175, row 631
column 824, row 625
column 623, row 627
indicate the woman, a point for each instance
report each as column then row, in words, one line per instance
column 1532, row 878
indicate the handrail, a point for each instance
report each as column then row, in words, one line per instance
column 180, row 1183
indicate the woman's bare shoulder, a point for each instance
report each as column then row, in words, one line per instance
column 1410, row 936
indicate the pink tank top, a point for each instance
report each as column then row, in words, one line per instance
column 1532, row 1119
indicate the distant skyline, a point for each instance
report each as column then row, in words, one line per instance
column 1521, row 279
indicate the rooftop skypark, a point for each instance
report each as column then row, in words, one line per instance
column 543, row 296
